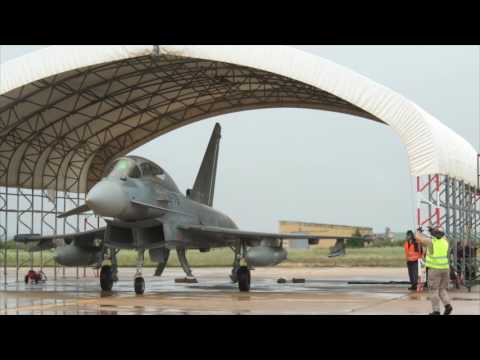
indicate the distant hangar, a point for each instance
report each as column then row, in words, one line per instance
column 300, row 227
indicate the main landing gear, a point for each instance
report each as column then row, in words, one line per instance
column 243, row 276
column 182, row 258
column 240, row 274
column 106, row 278
column 109, row 273
column 139, row 285
column 162, row 261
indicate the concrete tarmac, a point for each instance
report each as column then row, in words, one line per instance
column 325, row 291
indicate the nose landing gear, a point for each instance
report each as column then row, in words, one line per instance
column 139, row 282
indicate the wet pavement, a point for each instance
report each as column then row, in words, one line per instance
column 325, row 291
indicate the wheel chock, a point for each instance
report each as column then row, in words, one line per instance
column 186, row 280
column 298, row 280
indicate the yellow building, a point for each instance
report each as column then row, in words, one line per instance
column 321, row 229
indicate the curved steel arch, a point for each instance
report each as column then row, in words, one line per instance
column 101, row 116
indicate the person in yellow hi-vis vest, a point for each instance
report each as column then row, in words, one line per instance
column 438, row 268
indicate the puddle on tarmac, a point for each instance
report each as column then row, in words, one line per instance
column 322, row 293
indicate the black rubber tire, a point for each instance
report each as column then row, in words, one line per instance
column 139, row 285
column 243, row 276
column 106, row 278
column 26, row 279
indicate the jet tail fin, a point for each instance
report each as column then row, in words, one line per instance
column 204, row 186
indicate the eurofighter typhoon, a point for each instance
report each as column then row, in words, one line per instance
column 144, row 210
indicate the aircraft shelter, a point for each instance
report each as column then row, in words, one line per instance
column 66, row 111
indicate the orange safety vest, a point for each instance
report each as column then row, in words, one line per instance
column 410, row 252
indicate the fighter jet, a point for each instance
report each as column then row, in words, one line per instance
column 144, row 210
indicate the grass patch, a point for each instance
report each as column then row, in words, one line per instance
column 370, row 256
column 315, row 257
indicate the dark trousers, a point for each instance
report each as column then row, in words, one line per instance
column 413, row 272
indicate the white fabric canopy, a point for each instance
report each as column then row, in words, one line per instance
column 431, row 146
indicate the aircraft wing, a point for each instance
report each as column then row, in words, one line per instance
column 234, row 234
column 36, row 242
column 252, row 235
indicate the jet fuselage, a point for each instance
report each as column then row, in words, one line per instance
column 140, row 192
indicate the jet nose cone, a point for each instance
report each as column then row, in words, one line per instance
column 107, row 198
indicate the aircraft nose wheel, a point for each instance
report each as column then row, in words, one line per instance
column 106, row 278
column 243, row 276
column 139, row 285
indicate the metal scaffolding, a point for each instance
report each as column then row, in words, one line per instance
column 454, row 205
column 27, row 211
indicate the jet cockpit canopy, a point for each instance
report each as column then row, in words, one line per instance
column 125, row 167
column 137, row 167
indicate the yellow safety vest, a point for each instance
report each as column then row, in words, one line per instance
column 437, row 256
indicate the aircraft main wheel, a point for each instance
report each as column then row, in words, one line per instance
column 139, row 285
column 243, row 276
column 106, row 278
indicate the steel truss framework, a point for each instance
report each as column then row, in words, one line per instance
column 454, row 205
column 35, row 212
column 58, row 134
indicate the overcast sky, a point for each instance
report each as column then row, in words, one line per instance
column 316, row 166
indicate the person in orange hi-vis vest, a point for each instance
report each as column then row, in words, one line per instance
column 413, row 251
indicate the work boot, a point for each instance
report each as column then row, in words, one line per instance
column 448, row 309
column 413, row 287
column 435, row 313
